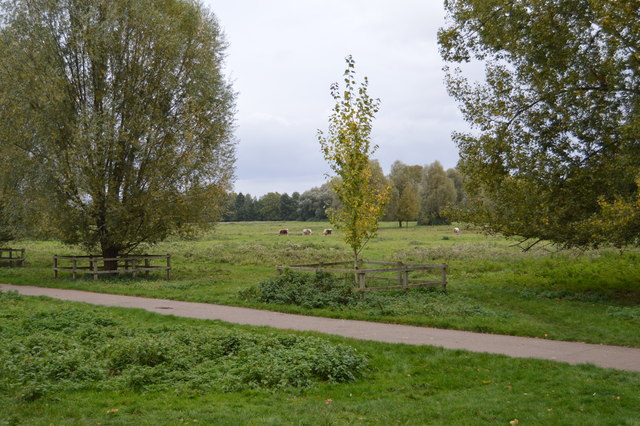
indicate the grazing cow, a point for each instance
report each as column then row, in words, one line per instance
column 306, row 232
column 456, row 231
column 327, row 232
column 283, row 232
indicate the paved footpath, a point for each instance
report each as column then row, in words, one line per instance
column 618, row 357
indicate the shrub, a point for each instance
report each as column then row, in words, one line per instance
column 317, row 290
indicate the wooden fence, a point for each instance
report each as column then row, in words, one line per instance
column 7, row 256
column 402, row 273
column 95, row 265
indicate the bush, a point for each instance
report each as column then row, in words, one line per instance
column 319, row 290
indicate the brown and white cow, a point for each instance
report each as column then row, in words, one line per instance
column 306, row 232
column 327, row 232
column 283, row 232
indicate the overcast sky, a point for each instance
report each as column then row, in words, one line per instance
column 284, row 54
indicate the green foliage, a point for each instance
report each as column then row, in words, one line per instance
column 347, row 148
column 408, row 204
column 319, row 290
column 315, row 202
column 322, row 290
column 403, row 383
column 124, row 114
column 554, row 150
column 46, row 350
column 310, row 206
column 624, row 312
column 403, row 208
column 438, row 192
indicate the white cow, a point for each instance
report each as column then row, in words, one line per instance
column 306, row 232
column 456, row 231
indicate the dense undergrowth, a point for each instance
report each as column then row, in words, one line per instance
column 324, row 290
column 45, row 350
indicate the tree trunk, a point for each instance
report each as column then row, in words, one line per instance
column 110, row 253
column 400, row 223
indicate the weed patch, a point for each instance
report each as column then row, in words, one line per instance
column 324, row 290
column 319, row 290
column 624, row 312
column 47, row 350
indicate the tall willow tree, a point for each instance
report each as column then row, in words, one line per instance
column 555, row 147
column 347, row 148
column 123, row 107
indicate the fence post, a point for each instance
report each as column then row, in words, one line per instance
column 94, row 267
column 22, row 252
column 55, row 266
column 146, row 266
column 405, row 278
column 168, row 266
column 444, row 277
column 279, row 268
column 74, row 265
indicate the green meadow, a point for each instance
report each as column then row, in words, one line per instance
column 493, row 285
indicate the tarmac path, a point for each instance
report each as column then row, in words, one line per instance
column 618, row 357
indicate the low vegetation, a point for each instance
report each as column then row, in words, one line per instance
column 589, row 296
column 46, row 351
column 319, row 290
column 70, row 363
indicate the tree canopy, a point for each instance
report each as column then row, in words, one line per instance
column 438, row 192
column 555, row 142
column 123, row 108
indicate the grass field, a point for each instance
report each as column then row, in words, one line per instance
column 590, row 296
column 75, row 364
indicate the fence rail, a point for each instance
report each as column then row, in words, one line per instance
column 7, row 256
column 362, row 274
column 96, row 265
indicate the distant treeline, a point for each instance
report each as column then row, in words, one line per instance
column 419, row 193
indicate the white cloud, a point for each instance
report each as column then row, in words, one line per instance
column 283, row 56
